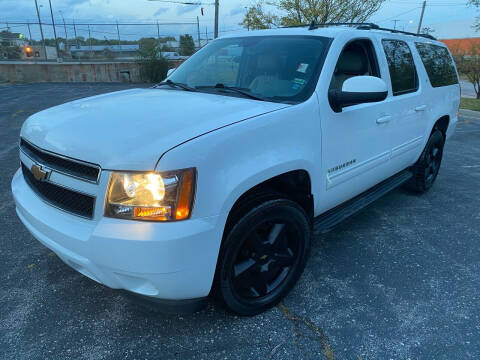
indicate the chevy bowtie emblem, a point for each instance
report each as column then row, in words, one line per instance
column 38, row 173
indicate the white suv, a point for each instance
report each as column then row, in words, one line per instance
column 216, row 178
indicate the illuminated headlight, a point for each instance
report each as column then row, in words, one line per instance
column 151, row 196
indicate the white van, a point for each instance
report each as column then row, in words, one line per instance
column 215, row 180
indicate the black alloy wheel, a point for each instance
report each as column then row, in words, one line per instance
column 263, row 256
column 433, row 159
column 425, row 170
column 265, row 259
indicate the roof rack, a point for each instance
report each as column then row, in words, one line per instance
column 361, row 26
column 408, row 33
column 313, row 25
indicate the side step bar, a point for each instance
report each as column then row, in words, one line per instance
column 328, row 220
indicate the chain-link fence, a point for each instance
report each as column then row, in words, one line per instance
column 71, row 41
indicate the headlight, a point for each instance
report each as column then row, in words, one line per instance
column 151, row 196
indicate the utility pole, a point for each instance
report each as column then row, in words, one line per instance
column 216, row 19
column 75, row 32
column 216, row 3
column 421, row 17
column 395, row 24
column 29, row 33
column 90, row 40
column 54, row 30
column 41, row 30
column 118, row 33
column 158, row 34
column 206, row 33
column 66, row 34
column 198, row 33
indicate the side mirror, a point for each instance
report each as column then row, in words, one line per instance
column 358, row 90
column 170, row 71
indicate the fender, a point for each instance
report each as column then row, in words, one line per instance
column 232, row 160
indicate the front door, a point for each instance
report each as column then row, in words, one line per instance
column 355, row 142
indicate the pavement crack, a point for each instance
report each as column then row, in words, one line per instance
column 319, row 336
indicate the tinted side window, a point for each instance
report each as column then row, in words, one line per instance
column 401, row 66
column 357, row 58
column 438, row 63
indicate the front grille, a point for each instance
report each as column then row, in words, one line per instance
column 60, row 197
column 74, row 168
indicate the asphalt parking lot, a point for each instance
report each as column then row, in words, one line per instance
column 400, row 280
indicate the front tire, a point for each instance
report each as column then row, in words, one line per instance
column 426, row 169
column 263, row 256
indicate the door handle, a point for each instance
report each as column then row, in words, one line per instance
column 421, row 108
column 384, row 119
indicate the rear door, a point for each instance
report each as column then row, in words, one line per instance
column 406, row 103
column 442, row 90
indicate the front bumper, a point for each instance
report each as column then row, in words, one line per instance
column 171, row 261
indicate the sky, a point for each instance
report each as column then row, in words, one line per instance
column 449, row 18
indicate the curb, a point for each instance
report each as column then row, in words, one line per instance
column 470, row 113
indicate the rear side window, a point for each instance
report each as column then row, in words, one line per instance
column 438, row 63
column 402, row 67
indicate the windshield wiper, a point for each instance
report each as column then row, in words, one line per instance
column 234, row 89
column 175, row 84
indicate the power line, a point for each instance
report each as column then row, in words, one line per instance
column 398, row 15
column 101, row 24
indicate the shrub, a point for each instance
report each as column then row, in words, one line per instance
column 153, row 66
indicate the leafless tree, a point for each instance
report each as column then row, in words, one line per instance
column 468, row 64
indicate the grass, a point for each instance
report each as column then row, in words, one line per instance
column 470, row 104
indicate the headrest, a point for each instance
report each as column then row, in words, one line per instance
column 266, row 63
column 351, row 63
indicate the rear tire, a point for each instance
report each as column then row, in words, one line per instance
column 263, row 256
column 426, row 169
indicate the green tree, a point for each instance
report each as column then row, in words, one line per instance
column 167, row 48
column 257, row 19
column 147, row 42
column 8, row 50
column 186, row 45
column 153, row 66
column 302, row 12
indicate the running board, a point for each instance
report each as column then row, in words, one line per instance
column 328, row 220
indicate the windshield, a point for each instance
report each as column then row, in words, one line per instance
column 275, row 68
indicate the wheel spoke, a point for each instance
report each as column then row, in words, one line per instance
column 260, row 284
column 244, row 268
column 257, row 243
column 283, row 260
column 275, row 233
column 283, row 274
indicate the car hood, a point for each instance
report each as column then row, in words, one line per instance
column 131, row 129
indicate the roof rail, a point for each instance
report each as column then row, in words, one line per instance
column 408, row 33
column 313, row 25
column 360, row 26
column 365, row 26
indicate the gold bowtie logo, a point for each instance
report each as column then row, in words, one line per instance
column 38, row 173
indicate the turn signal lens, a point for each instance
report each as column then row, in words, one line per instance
column 185, row 197
column 151, row 196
